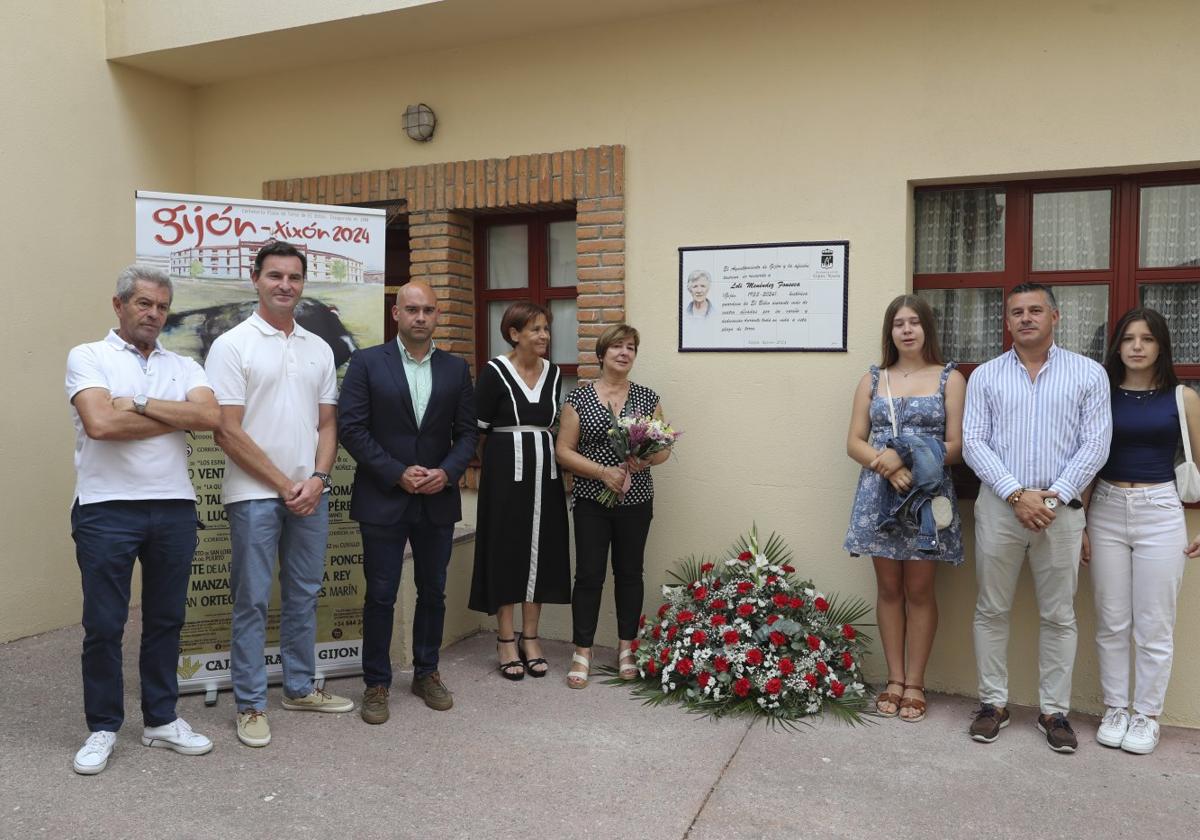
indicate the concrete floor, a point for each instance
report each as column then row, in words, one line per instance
column 535, row 759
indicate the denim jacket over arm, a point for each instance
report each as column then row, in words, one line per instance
column 925, row 457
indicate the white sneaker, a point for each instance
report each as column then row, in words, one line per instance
column 178, row 736
column 93, row 756
column 1113, row 727
column 1142, row 736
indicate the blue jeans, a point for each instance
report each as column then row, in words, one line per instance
column 383, row 560
column 109, row 536
column 925, row 457
column 258, row 530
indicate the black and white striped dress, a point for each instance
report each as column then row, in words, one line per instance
column 521, row 537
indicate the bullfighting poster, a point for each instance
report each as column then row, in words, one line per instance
column 208, row 245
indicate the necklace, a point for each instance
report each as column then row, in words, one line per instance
column 909, row 373
column 1139, row 396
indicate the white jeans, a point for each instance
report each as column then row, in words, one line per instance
column 1138, row 536
column 1001, row 544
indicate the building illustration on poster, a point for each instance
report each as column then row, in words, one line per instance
column 208, row 246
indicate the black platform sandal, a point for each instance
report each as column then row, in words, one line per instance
column 507, row 669
column 529, row 663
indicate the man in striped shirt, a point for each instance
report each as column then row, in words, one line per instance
column 1036, row 431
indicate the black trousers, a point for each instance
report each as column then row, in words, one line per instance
column 597, row 528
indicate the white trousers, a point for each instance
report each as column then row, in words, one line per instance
column 1138, row 536
column 1001, row 545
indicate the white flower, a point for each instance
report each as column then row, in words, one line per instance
column 666, row 590
column 760, row 561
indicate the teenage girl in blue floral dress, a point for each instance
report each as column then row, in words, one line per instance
column 927, row 398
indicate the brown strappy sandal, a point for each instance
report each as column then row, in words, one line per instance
column 889, row 697
column 917, row 705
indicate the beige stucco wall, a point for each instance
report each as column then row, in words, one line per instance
column 771, row 122
column 76, row 139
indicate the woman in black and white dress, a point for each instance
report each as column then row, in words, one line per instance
column 521, row 540
column 583, row 449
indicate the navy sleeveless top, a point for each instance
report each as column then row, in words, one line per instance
column 1145, row 436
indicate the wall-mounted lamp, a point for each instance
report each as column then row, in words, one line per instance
column 419, row 122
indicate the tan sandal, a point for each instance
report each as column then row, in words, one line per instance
column 627, row 668
column 914, row 703
column 889, row 697
column 579, row 679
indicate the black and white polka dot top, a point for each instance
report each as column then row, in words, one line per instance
column 594, row 424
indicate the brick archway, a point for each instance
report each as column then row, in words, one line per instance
column 442, row 199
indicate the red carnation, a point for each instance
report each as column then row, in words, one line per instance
column 780, row 599
column 745, row 610
column 706, row 567
column 774, row 685
column 796, row 603
column 721, row 664
column 634, row 645
column 837, row 688
column 813, row 642
column 745, row 556
column 700, row 594
column 699, row 637
column 664, row 655
column 731, row 637
column 651, row 667
column 771, row 619
column 754, row 656
column 656, row 632
column 788, row 569
column 744, row 587
column 848, row 632
column 811, row 679
column 685, row 616
column 703, row 678
column 717, row 604
column 786, row 666
column 717, row 620
column 663, row 610
column 778, row 639
column 822, row 669
column 741, row 687
column 772, row 580
column 642, row 621
column 683, row 667
column 847, row 660
column 821, row 604
column 672, row 632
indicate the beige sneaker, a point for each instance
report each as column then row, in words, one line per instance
column 318, row 700
column 375, row 704
column 252, row 728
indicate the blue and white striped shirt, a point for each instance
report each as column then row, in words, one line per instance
column 1050, row 433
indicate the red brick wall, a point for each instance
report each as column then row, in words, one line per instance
column 442, row 198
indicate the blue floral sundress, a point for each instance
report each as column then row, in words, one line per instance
column 915, row 416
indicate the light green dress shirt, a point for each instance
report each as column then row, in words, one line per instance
column 420, row 379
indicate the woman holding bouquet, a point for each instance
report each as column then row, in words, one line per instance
column 925, row 396
column 583, row 448
column 1137, row 542
column 522, row 553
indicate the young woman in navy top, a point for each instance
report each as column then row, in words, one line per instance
column 1136, row 531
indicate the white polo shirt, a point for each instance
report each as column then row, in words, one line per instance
column 113, row 470
column 280, row 379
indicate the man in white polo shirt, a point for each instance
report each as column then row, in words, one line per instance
column 131, row 401
column 277, row 387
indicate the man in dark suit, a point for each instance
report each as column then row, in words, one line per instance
column 407, row 416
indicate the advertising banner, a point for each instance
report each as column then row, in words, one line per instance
column 208, row 245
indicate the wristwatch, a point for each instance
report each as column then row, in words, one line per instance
column 139, row 403
column 325, row 479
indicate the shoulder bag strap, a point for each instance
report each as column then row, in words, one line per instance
column 1183, row 427
column 887, row 384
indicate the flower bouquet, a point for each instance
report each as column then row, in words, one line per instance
column 638, row 436
column 744, row 636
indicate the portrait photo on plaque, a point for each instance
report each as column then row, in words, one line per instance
column 785, row 296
